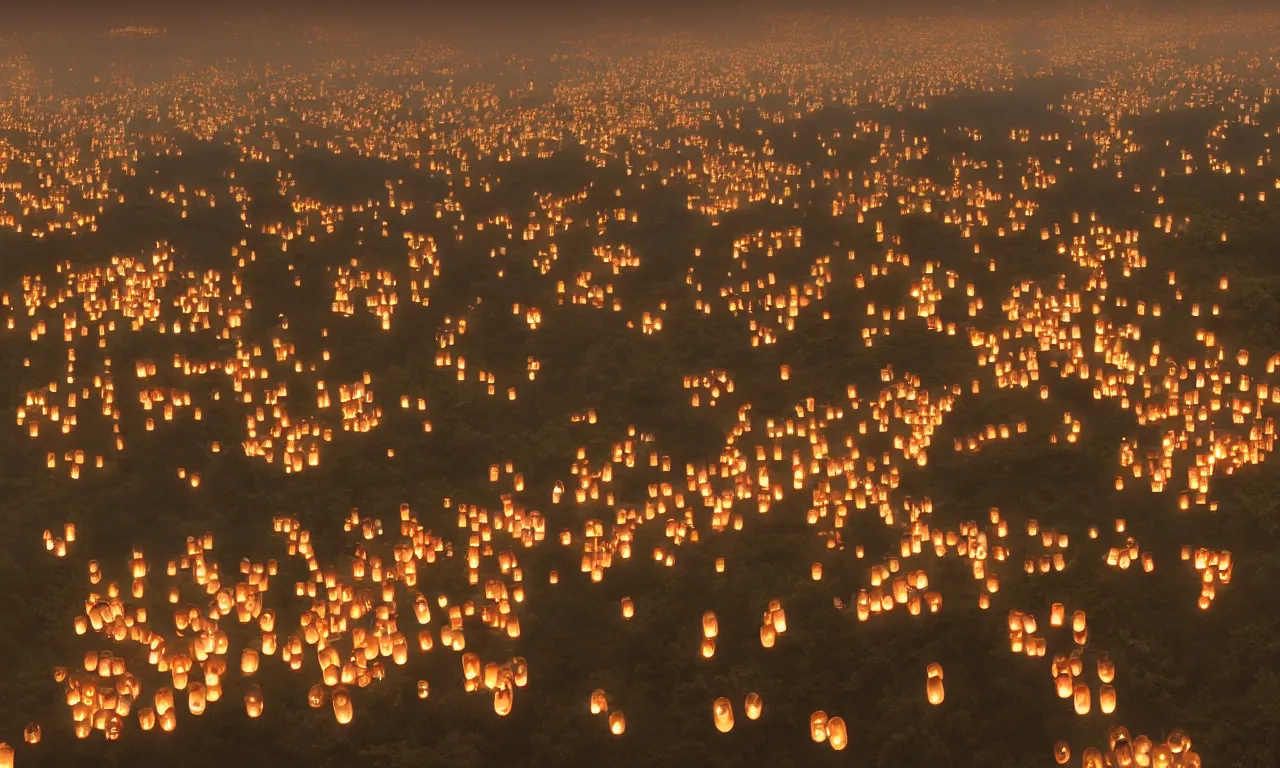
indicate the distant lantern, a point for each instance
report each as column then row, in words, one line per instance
column 1107, row 699
column 1081, row 699
column 722, row 714
column 1063, row 684
column 1178, row 741
column 342, row 708
column 599, row 703
column 196, row 697
column 934, row 689
column 710, row 627
column 617, row 722
column 503, row 699
column 253, row 701
column 1106, row 668
column 837, row 733
column 818, row 726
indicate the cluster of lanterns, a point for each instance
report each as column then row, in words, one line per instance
column 844, row 458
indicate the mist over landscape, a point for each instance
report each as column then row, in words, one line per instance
column 639, row 384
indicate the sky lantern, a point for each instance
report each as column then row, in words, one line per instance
column 933, row 685
column 617, row 722
column 818, row 726
column 837, row 734
column 722, row 714
column 253, row 701
column 1106, row 668
column 342, row 709
column 1081, row 699
column 1107, row 699
column 503, row 699
column 710, row 627
column 197, row 695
